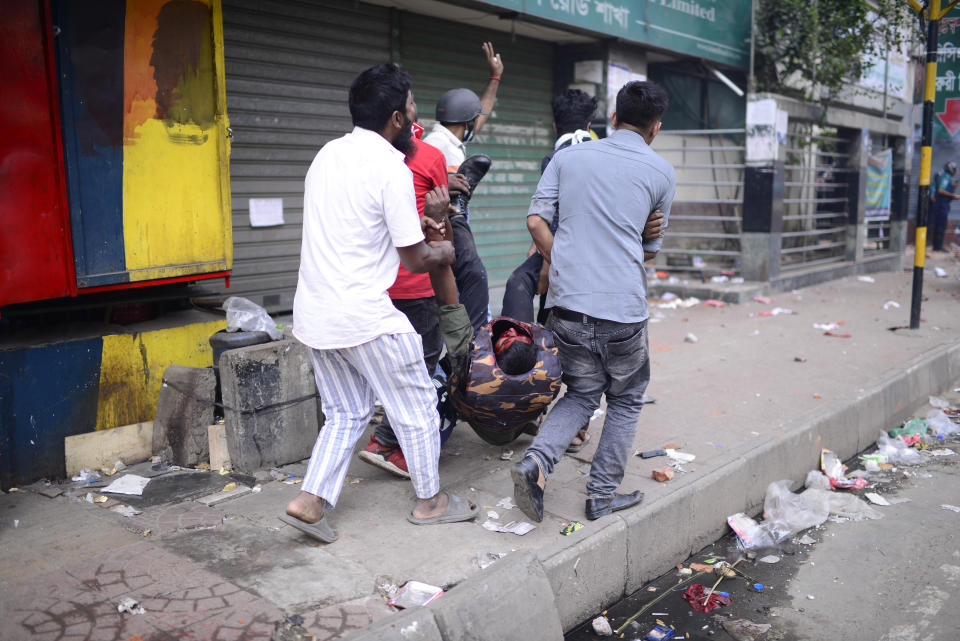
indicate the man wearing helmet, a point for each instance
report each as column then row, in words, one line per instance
column 460, row 116
column 941, row 199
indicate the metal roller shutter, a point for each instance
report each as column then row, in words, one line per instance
column 288, row 64
column 444, row 55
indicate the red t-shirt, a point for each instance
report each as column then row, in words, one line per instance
column 429, row 170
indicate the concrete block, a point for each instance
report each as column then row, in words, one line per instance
column 219, row 453
column 416, row 624
column 184, row 410
column 512, row 599
column 103, row 448
column 587, row 570
column 271, row 407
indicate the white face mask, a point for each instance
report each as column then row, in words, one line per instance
column 468, row 132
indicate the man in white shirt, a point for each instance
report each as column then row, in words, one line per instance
column 460, row 115
column 360, row 223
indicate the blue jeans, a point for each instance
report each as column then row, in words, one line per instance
column 598, row 357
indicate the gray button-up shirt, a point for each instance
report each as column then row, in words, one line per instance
column 606, row 189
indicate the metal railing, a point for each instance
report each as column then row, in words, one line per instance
column 705, row 219
column 815, row 204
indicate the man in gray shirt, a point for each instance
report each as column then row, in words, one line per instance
column 605, row 190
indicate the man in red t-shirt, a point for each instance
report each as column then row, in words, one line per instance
column 413, row 295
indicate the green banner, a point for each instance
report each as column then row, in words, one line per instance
column 946, row 106
column 713, row 29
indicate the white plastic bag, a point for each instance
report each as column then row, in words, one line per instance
column 940, row 423
column 840, row 504
column 817, row 479
column 786, row 513
column 243, row 314
column 897, row 452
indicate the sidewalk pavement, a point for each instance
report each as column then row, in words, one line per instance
column 754, row 398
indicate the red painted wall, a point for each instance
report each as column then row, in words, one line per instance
column 36, row 257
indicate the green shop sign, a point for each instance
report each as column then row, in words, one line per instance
column 946, row 106
column 714, row 29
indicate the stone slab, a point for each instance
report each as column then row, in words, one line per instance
column 271, row 409
column 184, row 410
column 103, row 448
column 416, row 624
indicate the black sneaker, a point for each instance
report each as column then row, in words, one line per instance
column 473, row 169
column 601, row 507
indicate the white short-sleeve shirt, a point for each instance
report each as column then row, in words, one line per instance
column 452, row 148
column 358, row 207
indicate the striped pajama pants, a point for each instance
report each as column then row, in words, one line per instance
column 389, row 368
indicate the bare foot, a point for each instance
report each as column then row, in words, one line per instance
column 580, row 438
column 306, row 507
column 429, row 508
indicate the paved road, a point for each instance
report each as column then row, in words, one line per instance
column 893, row 579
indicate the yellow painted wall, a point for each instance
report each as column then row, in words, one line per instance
column 132, row 367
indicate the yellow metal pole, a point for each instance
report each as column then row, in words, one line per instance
column 926, row 156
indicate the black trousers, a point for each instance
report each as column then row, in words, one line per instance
column 521, row 289
column 470, row 274
column 422, row 313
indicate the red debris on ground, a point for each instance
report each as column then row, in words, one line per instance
column 696, row 593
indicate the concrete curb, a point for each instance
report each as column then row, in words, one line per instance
column 621, row 552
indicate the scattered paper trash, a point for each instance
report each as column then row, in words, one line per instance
column 661, row 632
column 834, row 468
column 714, row 303
column 506, row 455
column 891, row 304
column 866, row 279
column 601, row 625
column 129, row 606
column 940, row 272
column 506, row 503
column 827, row 327
column 811, row 597
column 125, row 510
column 571, row 527
column 690, row 338
column 762, row 299
column 415, row 593
column 838, row 335
column 486, row 559
column 941, row 452
column 492, row 514
column 681, row 457
column 16, row 523
column 86, row 476
column 132, row 484
column 229, row 487
column 952, row 508
column 876, row 499
column 770, row 558
column 749, row 532
column 719, row 279
column 939, row 403
column 513, row 527
column 744, row 629
column 806, row 540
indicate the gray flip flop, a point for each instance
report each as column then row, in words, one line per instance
column 457, row 510
column 320, row 530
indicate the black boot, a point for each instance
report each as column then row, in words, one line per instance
column 601, row 507
column 473, row 169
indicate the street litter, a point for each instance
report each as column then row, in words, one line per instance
column 837, row 335
column 680, row 457
column 744, row 629
column 414, row 593
column 125, row 510
column 876, row 499
column 952, row 508
column 834, row 468
column 891, row 304
column 506, row 455
column 685, row 572
column 806, row 540
column 129, row 606
column 776, row 311
column 514, row 527
column 492, row 515
column 827, row 327
column 86, row 476
column 486, row 559
column 866, row 279
column 713, row 303
column 601, row 625
column 941, row 452
column 939, row 403
column 762, row 299
column 132, row 484
column 817, row 479
column 811, row 597
column 229, row 487
column 660, row 632
column 650, row 453
column 911, row 431
column 663, row 474
column 571, row 527
column 696, row 596
column 770, row 558
column 938, row 421
column 16, row 523
column 896, row 452
column 701, row 567
column 113, row 470
column 506, row 503
column 690, row 338
column 940, row 272
column 244, row 314
column 719, row 279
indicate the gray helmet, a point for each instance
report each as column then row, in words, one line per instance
column 951, row 168
column 459, row 105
